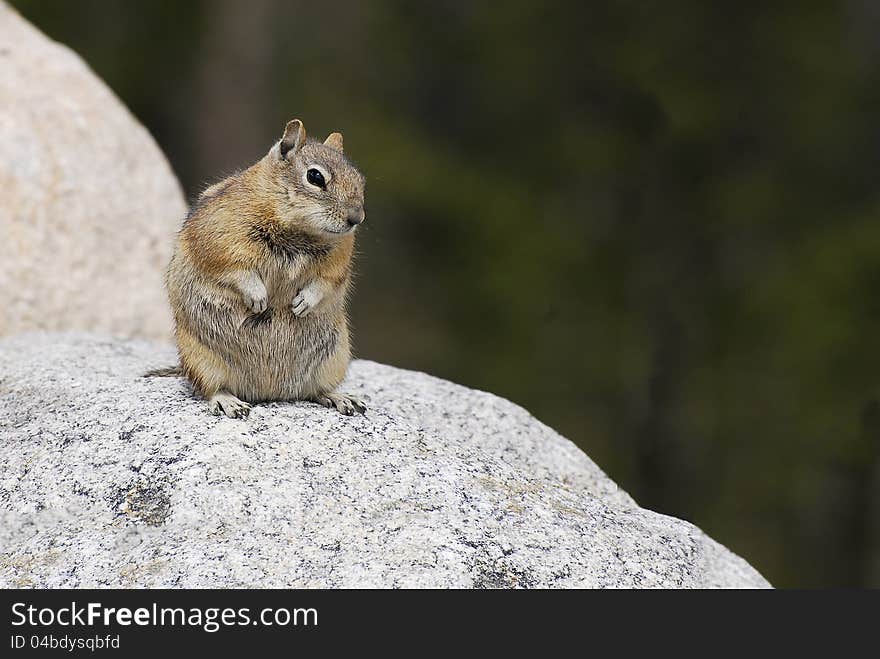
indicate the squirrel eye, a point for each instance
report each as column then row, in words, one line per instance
column 316, row 178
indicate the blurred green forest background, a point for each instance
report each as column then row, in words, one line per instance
column 654, row 225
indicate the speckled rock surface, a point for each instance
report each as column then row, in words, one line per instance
column 85, row 192
column 110, row 479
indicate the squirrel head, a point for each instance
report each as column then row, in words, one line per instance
column 324, row 191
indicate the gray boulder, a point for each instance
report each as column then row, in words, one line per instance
column 85, row 192
column 108, row 479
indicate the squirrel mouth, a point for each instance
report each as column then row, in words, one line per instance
column 340, row 232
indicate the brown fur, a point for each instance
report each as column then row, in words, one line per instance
column 259, row 278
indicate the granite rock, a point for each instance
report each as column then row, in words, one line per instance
column 86, row 192
column 109, row 479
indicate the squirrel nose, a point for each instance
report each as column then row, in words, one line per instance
column 356, row 216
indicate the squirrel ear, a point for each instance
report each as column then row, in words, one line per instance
column 334, row 141
column 294, row 138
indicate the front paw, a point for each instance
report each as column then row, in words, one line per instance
column 257, row 302
column 304, row 302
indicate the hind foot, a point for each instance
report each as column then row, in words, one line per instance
column 225, row 403
column 347, row 405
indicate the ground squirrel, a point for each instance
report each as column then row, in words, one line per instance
column 259, row 278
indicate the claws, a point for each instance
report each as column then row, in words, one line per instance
column 223, row 403
column 347, row 405
column 306, row 300
column 257, row 304
column 300, row 306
